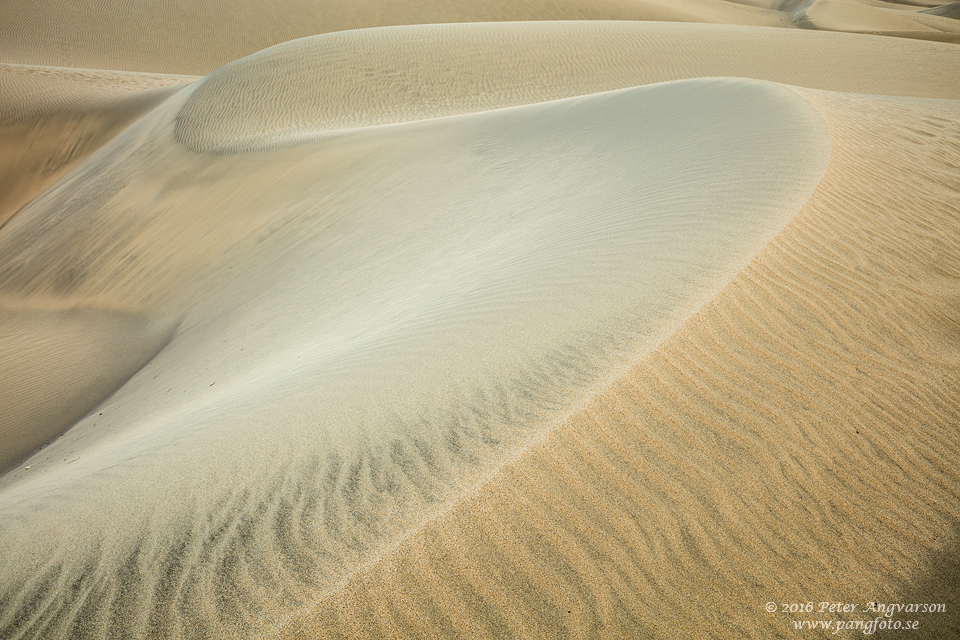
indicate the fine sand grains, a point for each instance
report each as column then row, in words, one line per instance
column 199, row 36
column 301, row 89
column 53, row 118
column 368, row 325
column 454, row 330
column 795, row 441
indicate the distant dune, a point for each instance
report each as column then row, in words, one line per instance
column 197, row 37
column 529, row 320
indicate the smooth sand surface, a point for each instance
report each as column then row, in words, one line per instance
column 59, row 363
column 197, row 37
column 515, row 329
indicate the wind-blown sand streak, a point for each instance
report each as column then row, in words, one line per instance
column 796, row 440
column 51, row 119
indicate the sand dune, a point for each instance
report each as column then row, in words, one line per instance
column 51, row 119
column 347, row 264
column 311, row 86
column 196, row 38
column 595, row 329
column 60, row 363
column 793, row 441
column 55, row 117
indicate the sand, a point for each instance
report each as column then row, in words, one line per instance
column 505, row 328
column 52, row 118
column 792, row 442
column 197, row 37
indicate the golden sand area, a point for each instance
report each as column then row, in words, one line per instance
column 609, row 319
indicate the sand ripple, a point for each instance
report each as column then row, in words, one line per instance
column 312, row 87
column 370, row 325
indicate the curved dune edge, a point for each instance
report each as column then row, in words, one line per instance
column 59, row 363
column 795, row 441
column 316, row 87
column 52, row 119
column 374, row 323
column 951, row 10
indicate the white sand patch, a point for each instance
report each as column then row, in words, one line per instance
column 369, row 324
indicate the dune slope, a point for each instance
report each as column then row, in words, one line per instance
column 279, row 440
column 377, row 76
column 530, row 319
column 51, row 119
column 357, row 341
column 60, row 363
column 794, row 441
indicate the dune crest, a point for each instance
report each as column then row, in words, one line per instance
column 315, row 87
column 478, row 319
